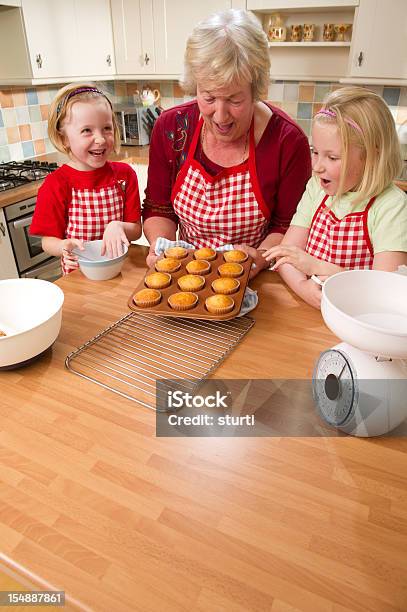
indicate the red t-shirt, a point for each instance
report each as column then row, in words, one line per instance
column 283, row 163
column 54, row 196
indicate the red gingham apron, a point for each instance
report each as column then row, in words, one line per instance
column 91, row 210
column 344, row 242
column 224, row 209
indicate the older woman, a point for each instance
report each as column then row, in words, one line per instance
column 226, row 167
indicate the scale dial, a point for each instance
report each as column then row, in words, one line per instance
column 334, row 387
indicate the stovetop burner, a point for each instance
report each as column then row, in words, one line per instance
column 15, row 174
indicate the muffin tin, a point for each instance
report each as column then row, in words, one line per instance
column 199, row 311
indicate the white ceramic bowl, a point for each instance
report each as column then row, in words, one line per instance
column 101, row 267
column 30, row 315
column 368, row 309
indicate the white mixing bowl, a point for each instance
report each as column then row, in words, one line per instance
column 30, row 316
column 96, row 266
column 368, row 309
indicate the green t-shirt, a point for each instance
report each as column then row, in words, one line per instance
column 386, row 219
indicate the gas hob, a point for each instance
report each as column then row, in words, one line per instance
column 15, row 174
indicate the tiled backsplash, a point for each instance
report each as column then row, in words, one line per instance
column 23, row 112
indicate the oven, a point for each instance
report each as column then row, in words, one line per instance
column 30, row 259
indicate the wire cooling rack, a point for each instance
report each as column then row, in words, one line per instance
column 132, row 354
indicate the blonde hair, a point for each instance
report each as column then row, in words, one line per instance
column 226, row 48
column 364, row 119
column 61, row 106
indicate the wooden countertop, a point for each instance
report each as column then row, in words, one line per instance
column 94, row 504
column 131, row 155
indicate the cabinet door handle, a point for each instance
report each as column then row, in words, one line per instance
column 2, row 229
column 38, row 59
column 109, row 60
column 360, row 58
column 146, row 59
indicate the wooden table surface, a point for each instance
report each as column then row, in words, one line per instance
column 94, row 504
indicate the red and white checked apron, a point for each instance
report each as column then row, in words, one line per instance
column 224, row 209
column 344, row 242
column 91, row 210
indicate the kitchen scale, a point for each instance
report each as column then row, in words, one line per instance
column 360, row 385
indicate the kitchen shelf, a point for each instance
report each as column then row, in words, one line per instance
column 320, row 43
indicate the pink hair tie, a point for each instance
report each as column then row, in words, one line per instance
column 330, row 113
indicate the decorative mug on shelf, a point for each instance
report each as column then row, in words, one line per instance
column 308, row 31
column 341, row 29
column 276, row 31
column 329, row 32
column 296, row 33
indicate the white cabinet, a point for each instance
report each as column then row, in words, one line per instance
column 133, row 32
column 56, row 40
column 8, row 267
column 379, row 41
column 174, row 20
column 150, row 35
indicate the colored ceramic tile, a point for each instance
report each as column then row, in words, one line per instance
column 316, row 107
column 49, row 147
column 132, row 89
column 291, row 108
column 32, row 97
column 16, row 151
column 19, row 97
column 35, row 113
column 9, row 117
column 25, row 132
column 43, row 96
column 276, row 92
column 23, row 116
column 178, row 91
column 167, row 89
column 3, row 136
column 290, row 93
column 120, row 89
column 1, row 119
column 4, row 154
column 37, row 130
column 305, row 125
column 321, row 91
column 276, row 103
column 393, row 110
column 44, row 125
column 391, row 95
column 401, row 114
column 403, row 96
column 167, row 102
column 28, row 149
column 13, row 135
column 44, row 111
column 304, row 110
column 306, row 93
column 6, row 99
column 39, row 146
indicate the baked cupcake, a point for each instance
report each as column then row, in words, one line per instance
column 157, row 280
column 225, row 285
column 235, row 256
column 219, row 304
column 176, row 252
column 198, row 266
column 191, row 282
column 169, row 264
column 182, row 300
column 205, row 253
column 145, row 298
column 231, row 270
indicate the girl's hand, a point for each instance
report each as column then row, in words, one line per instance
column 114, row 237
column 70, row 260
column 258, row 259
column 152, row 256
column 310, row 292
column 295, row 256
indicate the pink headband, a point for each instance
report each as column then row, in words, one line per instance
column 77, row 91
column 330, row 113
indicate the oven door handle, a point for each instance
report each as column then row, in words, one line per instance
column 22, row 223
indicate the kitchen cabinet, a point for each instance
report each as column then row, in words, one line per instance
column 150, row 35
column 8, row 267
column 379, row 40
column 56, row 40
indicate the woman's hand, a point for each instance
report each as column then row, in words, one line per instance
column 114, row 237
column 257, row 256
column 300, row 259
column 70, row 260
